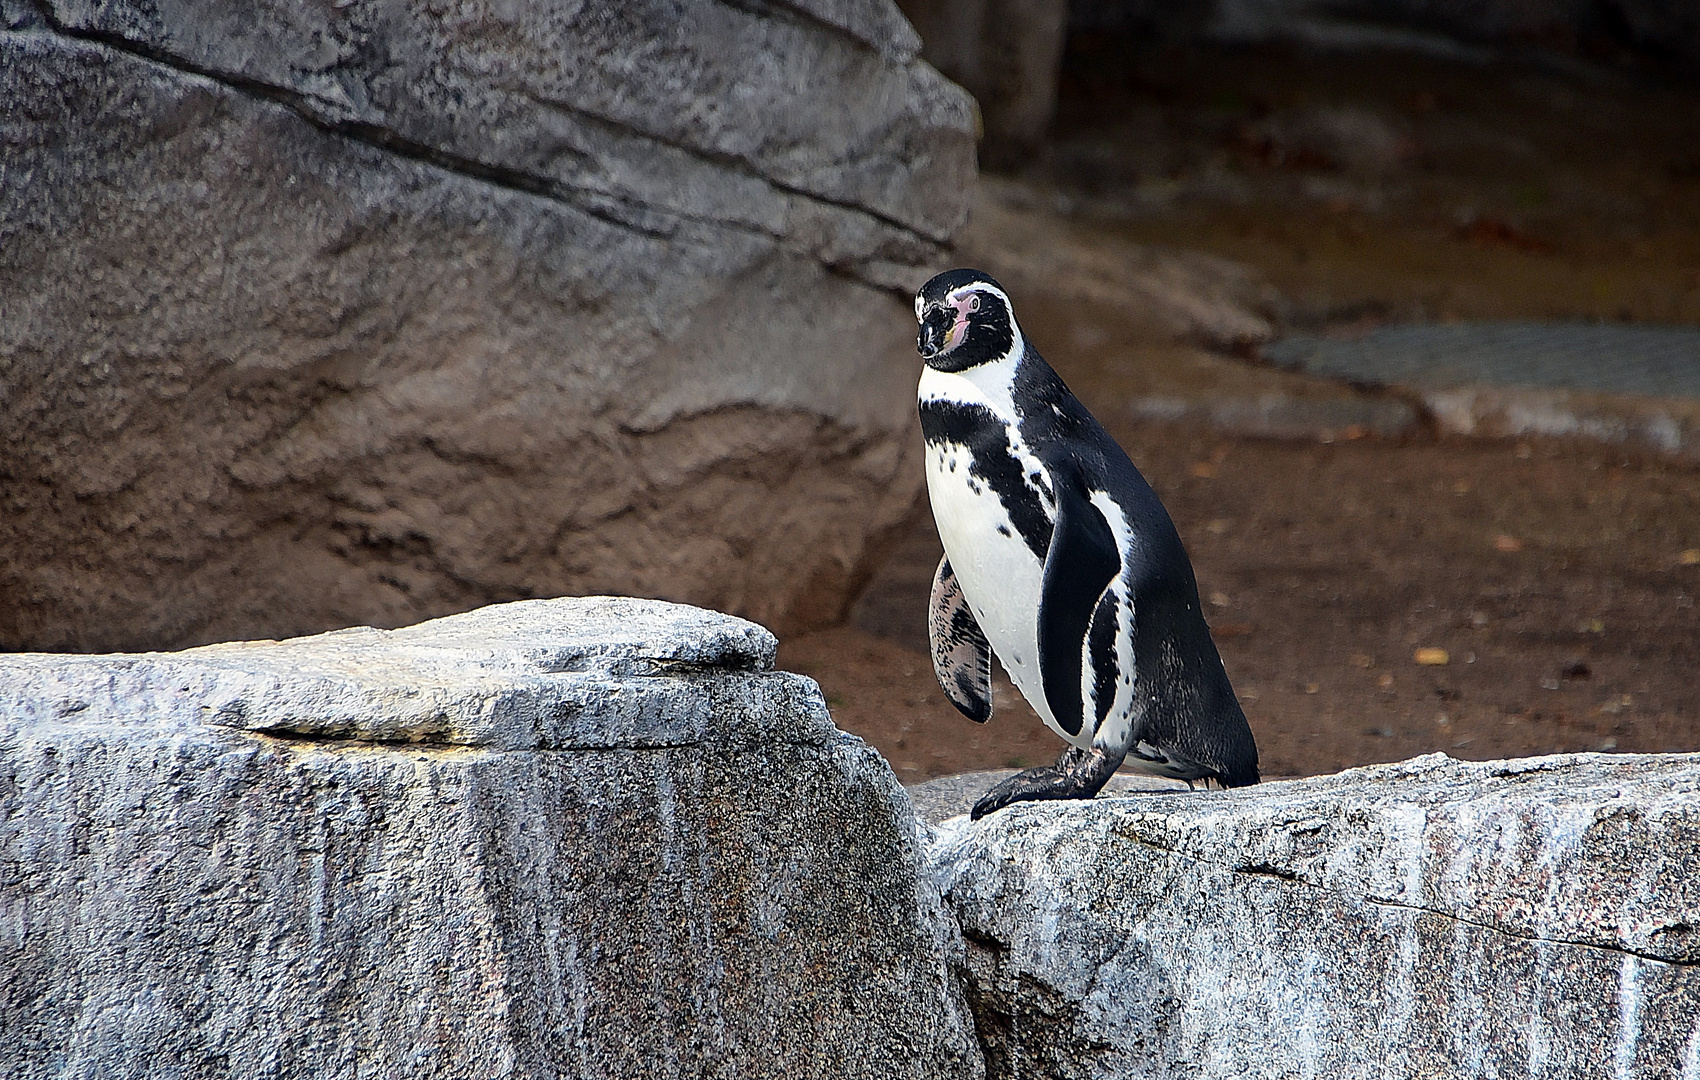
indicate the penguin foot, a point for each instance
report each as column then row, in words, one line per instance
column 1077, row 774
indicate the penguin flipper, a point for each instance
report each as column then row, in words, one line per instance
column 1081, row 563
column 962, row 657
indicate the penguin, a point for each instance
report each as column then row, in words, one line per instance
column 1059, row 558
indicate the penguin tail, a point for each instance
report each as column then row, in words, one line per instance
column 1243, row 775
column 1238, row 759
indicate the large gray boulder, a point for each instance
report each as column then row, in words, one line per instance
column 1434, row 918
column 316, row 314
column 569, row 838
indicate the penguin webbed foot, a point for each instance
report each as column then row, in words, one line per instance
column 1077, row 774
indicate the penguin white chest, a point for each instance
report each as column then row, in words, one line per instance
column 1001, row 576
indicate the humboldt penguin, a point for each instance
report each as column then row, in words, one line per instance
column 1059, row 558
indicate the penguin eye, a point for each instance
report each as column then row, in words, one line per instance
column 974, row 302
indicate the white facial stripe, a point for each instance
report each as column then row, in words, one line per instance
column 995, row 379
column 985, row 287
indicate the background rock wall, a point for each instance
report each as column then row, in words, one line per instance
column 1006, row 53
column 319, row 315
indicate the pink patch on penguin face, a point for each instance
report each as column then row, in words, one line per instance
column 966, row 303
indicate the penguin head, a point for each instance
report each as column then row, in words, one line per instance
column 966, row 319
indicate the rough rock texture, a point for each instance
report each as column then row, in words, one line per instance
column 335, row 313
column 564, row 838
column 1533, row 918
column 1182, row 295
column 945, row 797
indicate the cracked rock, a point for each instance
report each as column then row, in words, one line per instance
column 585, row 838
column 1430, row 918
column 314, row 315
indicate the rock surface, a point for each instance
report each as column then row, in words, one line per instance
column 1173, row 294
column 315, row 315
column 942, row 798
column 1430, row 918
column 588, row 838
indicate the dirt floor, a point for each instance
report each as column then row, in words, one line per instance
column 1559, row 578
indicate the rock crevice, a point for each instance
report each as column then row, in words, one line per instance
column 616, row 208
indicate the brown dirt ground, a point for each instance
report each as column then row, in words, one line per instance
column 1553, row 573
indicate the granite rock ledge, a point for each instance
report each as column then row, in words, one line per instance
column 1527, row 918
column 586, row 837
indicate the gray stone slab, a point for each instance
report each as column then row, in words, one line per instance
column 1630, row 385
column 675, row 866
column 1431, row 918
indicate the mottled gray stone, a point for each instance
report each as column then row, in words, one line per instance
column 318, row 314
column 1287, row 415
column 567, row 838
column 1648, row 361
column 1532, row 918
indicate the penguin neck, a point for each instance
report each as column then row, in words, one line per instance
column 991, row 383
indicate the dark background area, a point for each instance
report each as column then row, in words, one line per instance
column 1372, row 164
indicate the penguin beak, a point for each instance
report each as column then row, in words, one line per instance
column 935, row 331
